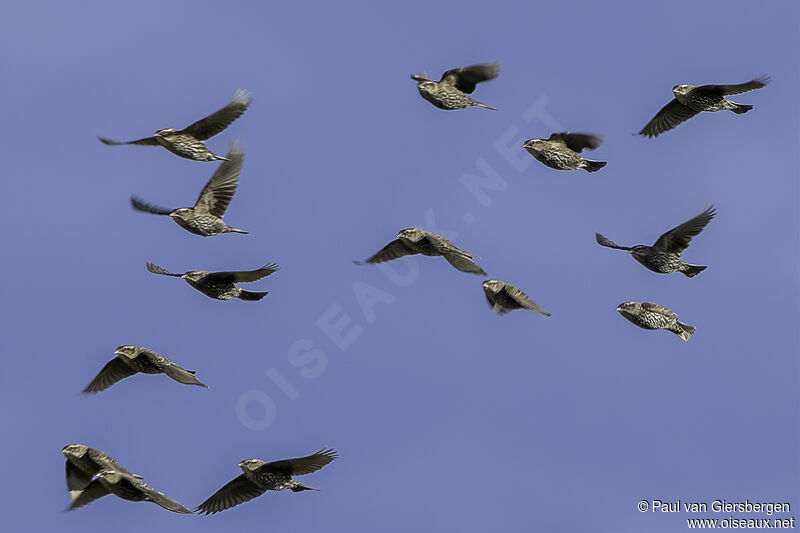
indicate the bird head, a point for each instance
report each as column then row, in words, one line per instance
column 165, row 132
column 251, row 465
column 533, row 145
column 74, row 450
column 182, row 213
column 128, row 352
column 628, row 309
column 640, row 250
column 492, row 285
column 410, row 234
column 682, row 89
column 195, row 275
column 428, row 86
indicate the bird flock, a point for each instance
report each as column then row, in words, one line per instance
column 92, row 474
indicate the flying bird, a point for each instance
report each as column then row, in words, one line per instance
column 133, row 359
column 259, row 477
column 127, row 487
column 418, row 241
column 451, row 91
column 692, row 99
column 205, row 218
column 188, row 142
column 83, row 463
column 664, row 256
column 221, row 285
column 648, row 315
column 560, row 151
column 504, row 297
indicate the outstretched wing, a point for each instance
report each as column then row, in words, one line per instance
column 667, row 118
column 96, row 489
column 181, row 375
column 238, row 491
column 677, row 239
column 141, row 205
column 77, row 480
column 157, row 497
column 578, row 141
column 602, row 241
column 466, row 78
column 463, row 262
column 244, row 276
column 393, row 250
column 728, row 90
column 523, row 299
column 211, row 125
column 147, row 141
column 155, row 269
column 301, row 465
column 114, row 371
column 106, row 462
column 219, row 190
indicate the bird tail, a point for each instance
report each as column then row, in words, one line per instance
column 741, row 108
column 594, row 166
column 251, row 296
column 685, row 331
column 693, row 270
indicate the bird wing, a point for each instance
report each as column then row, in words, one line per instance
column 106, row 462
column 155, row 269
column 677, row 239
column 115, row 370
column 466, row 78
column 655, row 308
column 523, row 299
column 181, row 375
column 667, row 118
column 602, row 241
column 94, row 490
column 77, row 479
column 727, row 90
column 219, row 190
column 578, row 141
column 393, row 250
column 238, row 491
column 244, row 276
column 211, row 125
column 463, row 262
column 147, row 141
column 155, row 496
column 141, row 205
column 301, row 465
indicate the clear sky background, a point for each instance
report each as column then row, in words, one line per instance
column 446, row 416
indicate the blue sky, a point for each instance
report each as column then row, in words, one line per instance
column 446, row 416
